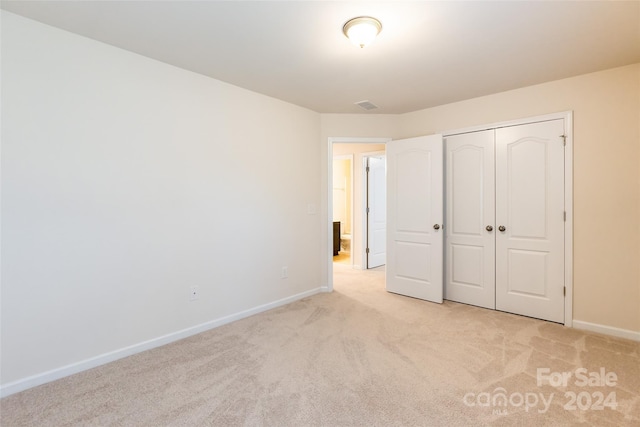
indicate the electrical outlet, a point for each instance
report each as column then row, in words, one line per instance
column 285, row 272
column 194, row 293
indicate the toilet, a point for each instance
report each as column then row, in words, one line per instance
column 345, row 243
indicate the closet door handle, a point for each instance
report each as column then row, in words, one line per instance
column 436, row 226
column 489, row 228
column 502, row 228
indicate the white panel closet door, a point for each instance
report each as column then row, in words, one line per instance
column 414, row 217
column 470, row 219
column 530, row 220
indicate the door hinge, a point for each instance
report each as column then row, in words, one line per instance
column 565, row 216
column 564, row 291
column 367, row 210
column 367, row 169
column 367, row 250
column 564, row 140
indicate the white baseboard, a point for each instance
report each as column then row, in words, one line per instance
column 74, row 368
column 607, row 330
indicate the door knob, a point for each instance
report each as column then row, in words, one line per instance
column 502, row 228
column 436, row 226
column 489, row 228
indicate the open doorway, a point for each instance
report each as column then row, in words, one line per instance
column 352, row 235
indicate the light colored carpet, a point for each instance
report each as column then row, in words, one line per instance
column 356, row 357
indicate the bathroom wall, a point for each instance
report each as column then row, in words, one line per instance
column 342, row 192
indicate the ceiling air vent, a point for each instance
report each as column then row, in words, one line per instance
column 366, row 105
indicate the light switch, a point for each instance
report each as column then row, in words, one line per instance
column 311, row 208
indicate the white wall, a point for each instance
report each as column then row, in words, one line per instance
column 126, row 181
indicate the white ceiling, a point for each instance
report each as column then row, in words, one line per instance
column 429, row 53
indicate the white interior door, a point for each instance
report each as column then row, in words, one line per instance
column 414, row 217
column 470, row 219
column 530, row 220
column 376, row 212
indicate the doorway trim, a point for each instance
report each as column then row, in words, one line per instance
column 329, row 212
column 567, row 116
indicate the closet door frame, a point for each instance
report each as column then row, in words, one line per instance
column 567, row 116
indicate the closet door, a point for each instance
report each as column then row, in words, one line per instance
column 530, row 220
column 414, row 217
column 470, row 215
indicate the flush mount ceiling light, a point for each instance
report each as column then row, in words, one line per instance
column 362, row 30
